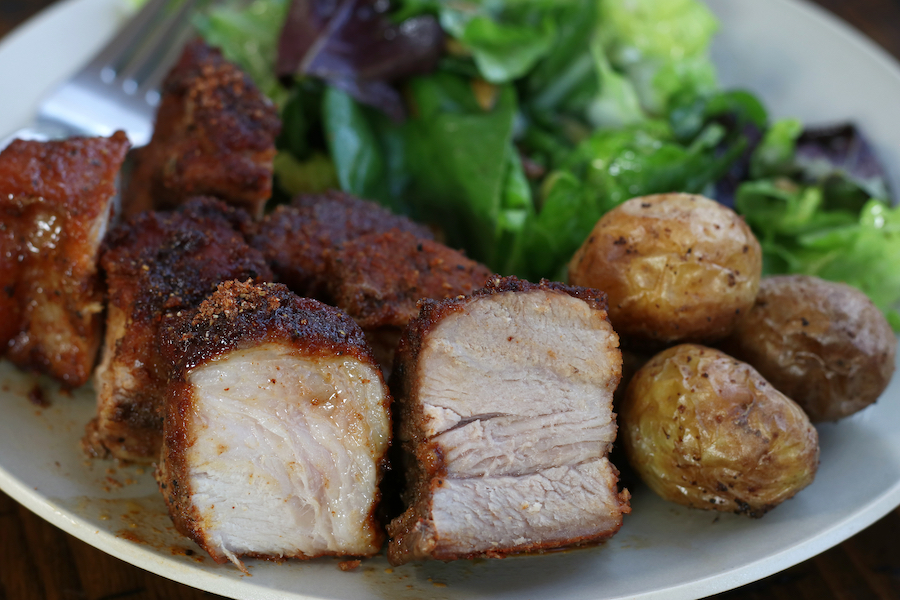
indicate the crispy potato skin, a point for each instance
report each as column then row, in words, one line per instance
column 823, row 344
column 676, row 268
column 705, row 430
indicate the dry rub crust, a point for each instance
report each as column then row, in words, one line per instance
column 414, row 532
column 379, row 278
column 55, row 203
column 240, row 315
column 158, row 263
column 214, row 135
column 294, row 238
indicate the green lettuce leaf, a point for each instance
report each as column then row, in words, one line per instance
column 799, row 235
column 661, row 46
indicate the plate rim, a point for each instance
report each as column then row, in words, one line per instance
column 152, row 560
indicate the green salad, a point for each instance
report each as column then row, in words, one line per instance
column 515, row 124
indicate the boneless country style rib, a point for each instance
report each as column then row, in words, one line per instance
column 56, row 199
column 504, row 402
column 277, row 425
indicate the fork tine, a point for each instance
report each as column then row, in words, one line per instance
column 158, row 49
column 156, row 71
column 120, row 47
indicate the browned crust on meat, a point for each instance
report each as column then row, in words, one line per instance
column 55, row 198
column 240, row 315
column 426, row 468
column 379, row 278
column 173, row 260
column 214, row 135
column 294, row 238
column 173, row 468
column 156, row 264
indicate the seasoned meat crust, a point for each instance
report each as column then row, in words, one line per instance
column 158, row 263
column 277, row 425
column 295, row 238
column 55, row 202
column 214, row 135
column 379, row 278
column 505, row 413
column 254, row 314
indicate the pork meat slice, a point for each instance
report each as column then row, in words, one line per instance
column 379, row 278
column 277, row 424
column 505, row 413
column 157, row 263
column 55, row 203
column 214, row 136
column 294, row 238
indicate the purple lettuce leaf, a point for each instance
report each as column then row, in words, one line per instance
column 355, row 46
column 840, row 158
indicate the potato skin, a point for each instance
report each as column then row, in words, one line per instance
column 821, row 343
column 675, row 267
column 707, row 431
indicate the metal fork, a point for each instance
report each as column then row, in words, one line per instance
column 119, row 87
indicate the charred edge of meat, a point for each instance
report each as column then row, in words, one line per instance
column 378, row 278
column 239, row 314
column 243, row 119
column 173, row 469
column 197, row 247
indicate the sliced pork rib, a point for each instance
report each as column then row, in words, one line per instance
column 55, row 203
column 158, row 263
column 277, row 423
column 505, row 409
column 214, row 135
column 295, row 238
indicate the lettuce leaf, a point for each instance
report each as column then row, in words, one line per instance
column 661, row 46
column 356, row 46
column 506, row 39
column 799, row 234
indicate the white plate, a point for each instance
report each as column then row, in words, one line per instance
column 803, row 63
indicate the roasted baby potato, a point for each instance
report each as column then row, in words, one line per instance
column 676, row 268
column 823, row 344
column 705, row 430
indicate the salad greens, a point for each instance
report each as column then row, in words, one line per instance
column 515, row 124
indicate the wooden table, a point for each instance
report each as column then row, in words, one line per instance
column 38, row 560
